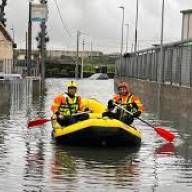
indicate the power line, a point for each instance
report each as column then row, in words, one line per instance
column 61, row 18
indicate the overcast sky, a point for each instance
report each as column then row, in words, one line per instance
column 100, row 22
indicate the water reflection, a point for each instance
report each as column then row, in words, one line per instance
column 34, row 167
column 115, row 166
column 19, row 98
column 167, row 148
column 5, row 99
column 3, row 152
column 63, row 164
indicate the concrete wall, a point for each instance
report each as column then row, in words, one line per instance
column 172, row 103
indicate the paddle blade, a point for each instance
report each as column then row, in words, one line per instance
column 37, row 122
column 167, row 135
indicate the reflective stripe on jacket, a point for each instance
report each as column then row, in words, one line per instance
column 128, row 102
column 67, row 105
column 70, row 106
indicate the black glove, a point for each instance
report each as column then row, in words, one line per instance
column 137, row 114
column 57, row 113
column 82, row 117
column 135, row 106
column 110, row 105
column 66, row 120
column 86, row 109
column 128, row 119
column 109, row 114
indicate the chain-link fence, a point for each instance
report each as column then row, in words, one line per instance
column 172, row 65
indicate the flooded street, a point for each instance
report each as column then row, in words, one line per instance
column 31, row 161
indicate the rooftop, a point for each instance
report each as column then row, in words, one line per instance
column 186, row 11
column 7, row 35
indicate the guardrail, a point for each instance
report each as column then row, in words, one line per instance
column 175, row 68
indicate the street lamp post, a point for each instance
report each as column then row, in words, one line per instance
column 122, row 32
column 29, row 40
column 77, row 56
column 43, row 44
column 77, row 66
column 82, row 59
column 136, row 26
column 127, row 36
column 161, row 63
column 161, row 44
column 135, row 47
column 91, row 55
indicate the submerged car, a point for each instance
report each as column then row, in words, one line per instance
column 99, row 76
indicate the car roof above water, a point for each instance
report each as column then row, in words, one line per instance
column 99, row 76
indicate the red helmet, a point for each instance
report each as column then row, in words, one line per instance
column 123, row 84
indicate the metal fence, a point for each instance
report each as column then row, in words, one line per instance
column 173, row 66
column 20, row 66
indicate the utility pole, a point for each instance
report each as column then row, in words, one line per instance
column 77, row 56
column 91, row 56
column 127, row 37
column 29, row 40
column 82, row 59
column 42, row 40
column 136, row 26
column 43, row 52
column 135, row 48
column 26, row 49
column 122, row 32
column 161, row 63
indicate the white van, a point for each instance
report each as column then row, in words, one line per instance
column 10, row 76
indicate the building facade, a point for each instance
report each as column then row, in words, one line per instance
column 60, row 53
column 186, row 33
column 6, row 51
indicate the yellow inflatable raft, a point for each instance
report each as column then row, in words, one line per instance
column 96, row 130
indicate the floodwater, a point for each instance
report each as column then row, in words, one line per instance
column 30, row 161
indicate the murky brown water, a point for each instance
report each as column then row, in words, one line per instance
column 31, row 161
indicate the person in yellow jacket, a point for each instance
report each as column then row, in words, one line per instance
column 64, row 106
column 126, row 100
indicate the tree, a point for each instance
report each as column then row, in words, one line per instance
column 2, row 12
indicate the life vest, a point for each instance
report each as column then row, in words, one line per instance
column 69, row 106
column 128, row 102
